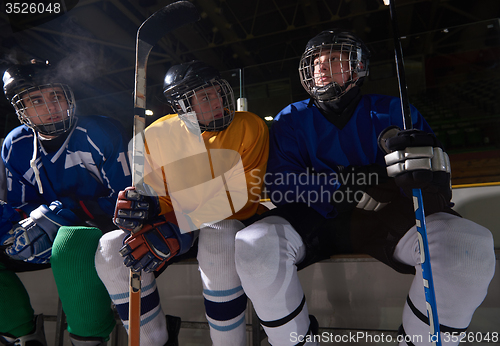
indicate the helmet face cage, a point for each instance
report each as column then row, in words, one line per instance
column 209, row 107
column 48, row 109
column 327, row 70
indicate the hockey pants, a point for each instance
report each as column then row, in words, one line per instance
column 462, row 258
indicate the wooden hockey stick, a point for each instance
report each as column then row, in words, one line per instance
column 430, row 295
column 149, row 33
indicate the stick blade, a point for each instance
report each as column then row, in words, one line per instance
column 167, row 19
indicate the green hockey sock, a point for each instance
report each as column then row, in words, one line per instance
column 84, row 297
column 16, row 313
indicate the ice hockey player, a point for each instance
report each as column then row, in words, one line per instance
column 206, row 166
column 61, row 170
column 327, row 175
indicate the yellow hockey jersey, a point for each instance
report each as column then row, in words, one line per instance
column 210, row 176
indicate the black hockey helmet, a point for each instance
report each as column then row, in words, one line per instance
column 186, row 77
column 19, row 78
column 19, row 81
column 181, row 88
column 326, row 42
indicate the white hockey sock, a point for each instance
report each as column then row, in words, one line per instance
column 225, row 301
column 266, row 256
column 462, row 261
column 115, row 276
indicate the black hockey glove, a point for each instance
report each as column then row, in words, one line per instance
column 134, row 207
column 355, row 180
column 417, row 160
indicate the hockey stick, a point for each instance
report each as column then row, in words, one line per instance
column 430, row 295
column 149, row 33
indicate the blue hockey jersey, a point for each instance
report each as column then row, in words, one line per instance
column 91, row 166
column 303, row 143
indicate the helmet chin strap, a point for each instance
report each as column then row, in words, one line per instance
column 332, row 91
column 339, row 111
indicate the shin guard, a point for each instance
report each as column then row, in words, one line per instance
column 84, row 298
column 225, row 301
column 16, row 313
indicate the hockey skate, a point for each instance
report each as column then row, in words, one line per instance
column 37, row 338
column 313, row 326
column 173, row 328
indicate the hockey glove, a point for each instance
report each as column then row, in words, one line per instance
column 153, row 246
column 8, row 216
column 134, row 207
column 417, row 160
column 33, row 237
column 355, row 180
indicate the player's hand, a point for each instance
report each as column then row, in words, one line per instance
column 153, row 246
column 33, row 236
column 416, row 160
column 8, row 216
column 355, row 180
column 134, row 208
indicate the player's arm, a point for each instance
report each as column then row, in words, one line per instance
column 286, row 166
column 21, row 193
column 113, row 165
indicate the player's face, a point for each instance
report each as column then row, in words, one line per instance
column 208, row 104
column 331, row 66
column 45, row 106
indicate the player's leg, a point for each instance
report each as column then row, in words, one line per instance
column 267, row 254
column 17, row 319
column 84, row 298
column 463, row 264
column 225, row 301
column 115, row 276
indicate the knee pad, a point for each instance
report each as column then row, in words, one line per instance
column 71, row 243
column 264, row 246
column 107, row 257
column 218, row 238
column 216, row 255
column 462, row 249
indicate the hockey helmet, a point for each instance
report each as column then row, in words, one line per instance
column 333, row 61
column 44, row 106
column 203, row 100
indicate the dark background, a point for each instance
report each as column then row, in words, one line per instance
column 451, row 51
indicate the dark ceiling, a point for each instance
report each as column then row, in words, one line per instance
column 93, row 44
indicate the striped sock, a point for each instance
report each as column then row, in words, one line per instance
column 225, row 301
column 115, row 276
